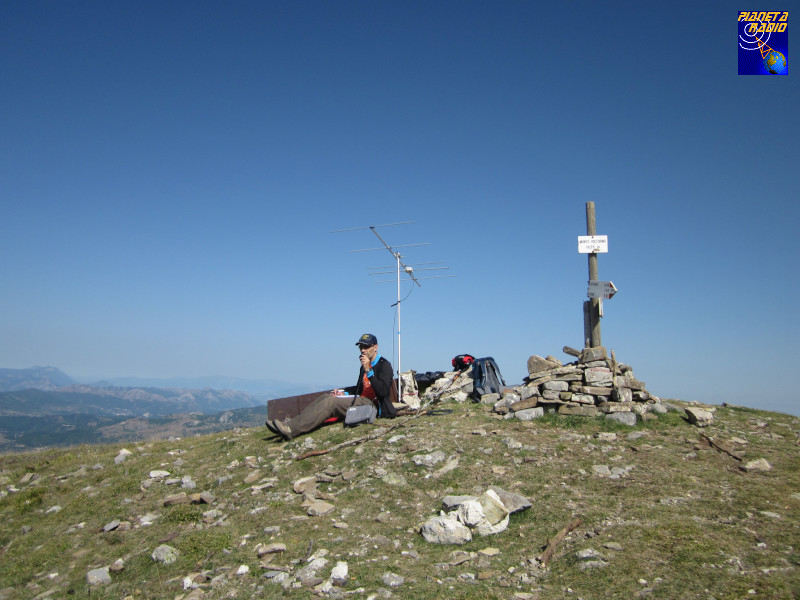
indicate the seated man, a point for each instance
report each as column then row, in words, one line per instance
column 374, row 386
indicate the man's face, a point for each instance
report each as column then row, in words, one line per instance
column 369, row 351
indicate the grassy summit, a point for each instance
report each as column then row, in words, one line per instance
column 664, row 514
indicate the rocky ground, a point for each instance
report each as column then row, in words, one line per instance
column 462, row 504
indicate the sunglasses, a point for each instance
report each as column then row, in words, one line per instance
column 364, row 346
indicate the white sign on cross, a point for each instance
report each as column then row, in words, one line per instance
column 592, row 244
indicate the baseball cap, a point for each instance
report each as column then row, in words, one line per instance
column 367, row 339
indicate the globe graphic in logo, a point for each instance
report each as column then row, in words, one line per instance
column 775, row 63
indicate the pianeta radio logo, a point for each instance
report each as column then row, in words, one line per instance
column 763, row 43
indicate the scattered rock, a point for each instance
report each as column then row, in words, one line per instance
column 147, row 519
column 319, row 508
column 262, row 549
column 339, row 573
column 590, row 559
column 174, row 499
column 305, row 485
column 392, row 580
column 445, row 530
column 529, row 414
column 493, row 508
column 699, row 416
column 393, row 479
column 451, row 502
column 470, row 513
column 123, row 454
column 202, row 498
column 513, row 502
column 429, row 460
column 165, row 554
column 756, row 466
column 308, row 573
column 98, row 576
column 111, row 526
column 118, row 566
column 626, row 418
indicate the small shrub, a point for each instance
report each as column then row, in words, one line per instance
column 27, row 500
column 183, row 513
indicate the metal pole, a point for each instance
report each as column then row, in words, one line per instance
column 399, row 392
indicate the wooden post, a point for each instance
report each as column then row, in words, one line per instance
column 592, row 308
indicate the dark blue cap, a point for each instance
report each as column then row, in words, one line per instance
column 367, row 339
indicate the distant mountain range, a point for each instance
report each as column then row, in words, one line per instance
column 120, row 401
column 38, row 378
column 263, row 388
column 43, row 406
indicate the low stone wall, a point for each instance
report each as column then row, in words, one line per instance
column 594, row 384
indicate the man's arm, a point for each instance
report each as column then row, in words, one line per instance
column 382, row 379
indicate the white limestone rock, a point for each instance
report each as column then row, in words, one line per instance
column 445, row 530
column 98, row 576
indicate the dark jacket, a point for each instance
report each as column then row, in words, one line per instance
column 381, row 382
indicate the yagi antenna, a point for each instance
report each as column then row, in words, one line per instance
column 401, row 269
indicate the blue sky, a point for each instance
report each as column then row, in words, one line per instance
column 171, row 174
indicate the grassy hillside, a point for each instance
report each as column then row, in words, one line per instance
column 664, row 513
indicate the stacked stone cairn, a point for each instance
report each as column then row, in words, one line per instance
column 592, row 385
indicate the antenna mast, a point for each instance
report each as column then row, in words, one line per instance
column 410, row 273
column 401, row 269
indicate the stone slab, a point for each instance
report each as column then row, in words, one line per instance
column 593, row 354
column 597, row 376
column 595, row 390
column 626, row 418
column 537, row 364
column 524, row 404
column 557, row 385
column 530, row 413
column 581, row 411
column 583, row 399
column 615, row 407
column 622, row 395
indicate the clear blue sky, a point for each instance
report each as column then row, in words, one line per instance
column 171, row 172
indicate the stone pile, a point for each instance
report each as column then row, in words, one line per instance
column 594, row 384
column 486, row 514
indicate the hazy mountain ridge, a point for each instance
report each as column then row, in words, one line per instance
column 42, row 406
column 120, row 401
column 51, row 378
column 26, row 432
column 265, row 389
column 40, row 378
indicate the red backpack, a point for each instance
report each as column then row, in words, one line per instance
column 462, row 362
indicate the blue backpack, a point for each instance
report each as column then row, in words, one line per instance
column 486, row 378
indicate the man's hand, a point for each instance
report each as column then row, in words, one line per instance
column 365, row 362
